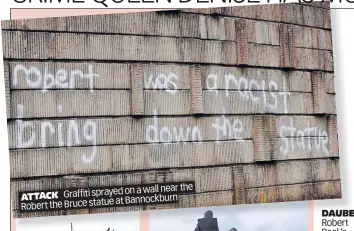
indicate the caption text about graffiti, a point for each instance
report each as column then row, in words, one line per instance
column 85, row 198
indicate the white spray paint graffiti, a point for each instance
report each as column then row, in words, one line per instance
column 167, row 82
column 63, row 79
column 156, row 133
column 300, row 139
column 76, row 134
column 251, row 89
column 21, row 126
column 228, row 129
column 71, row 133
column 285, row 94
column 162, row 134
column 214, row 79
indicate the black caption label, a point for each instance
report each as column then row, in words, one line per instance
column 100, row 197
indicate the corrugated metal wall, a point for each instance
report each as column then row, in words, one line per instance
column 240, row 100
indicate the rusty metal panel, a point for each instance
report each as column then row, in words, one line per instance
column 333, row 133
column 240, row 100
column 284, row 46
column 239, row 182
column 196, row 91
column 264, row 134
column 7, row 89
column 242, row 43
column 319, row 93
column 137, row 93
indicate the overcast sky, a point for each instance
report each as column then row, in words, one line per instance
column 264, row 217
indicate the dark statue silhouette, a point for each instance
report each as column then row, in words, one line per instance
column 209, row 223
